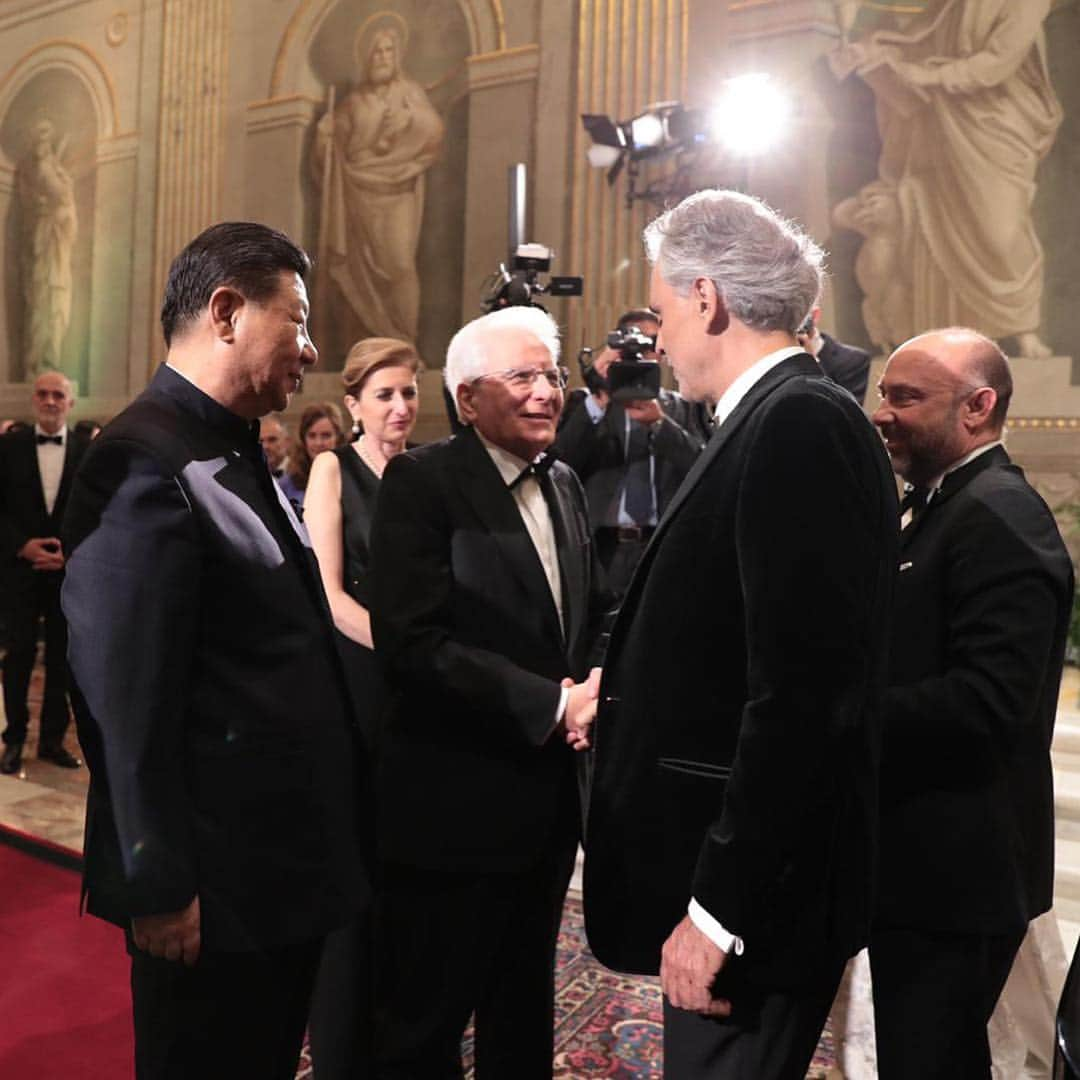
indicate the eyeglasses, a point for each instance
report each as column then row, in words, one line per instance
column 524, row 378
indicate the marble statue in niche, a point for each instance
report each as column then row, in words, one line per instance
column 48, row 226
column 370, row 155
column 966, row 112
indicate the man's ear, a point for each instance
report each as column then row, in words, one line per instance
column 710, row 304
column 978, row 407
column 224, row 308
column 466, row 410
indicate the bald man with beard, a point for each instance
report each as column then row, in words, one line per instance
column 983, row 599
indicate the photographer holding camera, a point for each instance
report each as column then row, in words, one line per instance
column 630, row 442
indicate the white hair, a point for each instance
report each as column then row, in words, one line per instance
column 467, row 353
column 767, row 270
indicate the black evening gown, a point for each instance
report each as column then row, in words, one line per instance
column 340, row 1022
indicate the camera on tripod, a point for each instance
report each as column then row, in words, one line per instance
column 630, row 377
column 521, row 285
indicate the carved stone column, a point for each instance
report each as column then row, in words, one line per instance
column 190, row 145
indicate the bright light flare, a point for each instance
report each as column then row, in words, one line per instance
column 647, row 131
column 751, row 116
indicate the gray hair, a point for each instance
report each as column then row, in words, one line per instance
column 767, row 270
column 467, row 353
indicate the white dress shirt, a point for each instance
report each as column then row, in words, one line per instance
column 714, row 930
column 536, row 517
column 50, row 459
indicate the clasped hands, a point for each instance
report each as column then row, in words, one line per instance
column 43, row 553
column 580, row 710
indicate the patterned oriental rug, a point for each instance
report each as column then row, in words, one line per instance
column 606, row 1025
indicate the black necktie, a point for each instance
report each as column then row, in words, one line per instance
column 639, row 489
column 915, row 500
column 58, row 439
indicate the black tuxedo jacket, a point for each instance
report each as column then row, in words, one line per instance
column 967, row 803
column 219, row 738
column 471, row 775
column 845, row 365
column 738, row 733
column 22, row 502
column 597, row 451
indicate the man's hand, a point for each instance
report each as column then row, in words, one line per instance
column 601, row 362
column 174, row 935
column 689, row 964
column 644, row 410
column 43, row 553
column 580, row 709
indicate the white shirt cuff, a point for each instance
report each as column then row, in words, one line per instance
column 594, row 409
column 723, row 939
column 560, row 709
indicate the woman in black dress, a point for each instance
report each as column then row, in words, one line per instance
column 381, row 396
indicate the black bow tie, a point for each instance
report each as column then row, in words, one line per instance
column 538, row 468
column 58, row 439
column 915, row 499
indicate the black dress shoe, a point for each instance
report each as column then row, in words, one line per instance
column 58, row 756
column 11, row 758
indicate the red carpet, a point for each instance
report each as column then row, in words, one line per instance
column 64, row 993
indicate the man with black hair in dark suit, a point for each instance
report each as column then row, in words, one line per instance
column 222, row 828
column 847, row 365
column 731, row 832
column 967, row 807
column 631, row 457
column 485, row 608
column 36, row 468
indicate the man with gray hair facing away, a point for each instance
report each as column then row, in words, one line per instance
column 730, row 842
column 484, row 610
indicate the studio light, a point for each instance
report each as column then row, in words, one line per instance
column 750, row 116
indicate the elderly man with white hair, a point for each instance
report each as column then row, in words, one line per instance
column 485, row 607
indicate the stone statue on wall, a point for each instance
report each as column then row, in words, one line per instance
column 46, row 202
column 371, row 153
column 966, row 112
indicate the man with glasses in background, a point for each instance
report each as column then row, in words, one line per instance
column 485, row 607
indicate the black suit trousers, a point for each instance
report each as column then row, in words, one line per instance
column 238, row 1015
column 452, row 945
column 32, row 596
column 770, row 1035
column 934, row 994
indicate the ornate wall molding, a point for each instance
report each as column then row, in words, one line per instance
column 76, row 59
column 484, row 18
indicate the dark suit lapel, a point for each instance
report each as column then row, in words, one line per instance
column 800, row 364
column 68, row 472
column 33, row 472
column 570, row 533
column 484, row 489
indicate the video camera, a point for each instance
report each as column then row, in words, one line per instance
column 520, row 285
column 630, row 377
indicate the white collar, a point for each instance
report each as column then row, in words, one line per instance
column 731, row 397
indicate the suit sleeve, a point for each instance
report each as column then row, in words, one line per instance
column 12, row 535
column 1007, row 581
column 679, row 437
column 816, row 561
column 414, row 623
column 578, row 435
column 131, row 597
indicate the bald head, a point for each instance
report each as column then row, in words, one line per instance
column 944, row 394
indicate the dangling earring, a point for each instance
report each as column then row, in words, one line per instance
column 355, row 431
